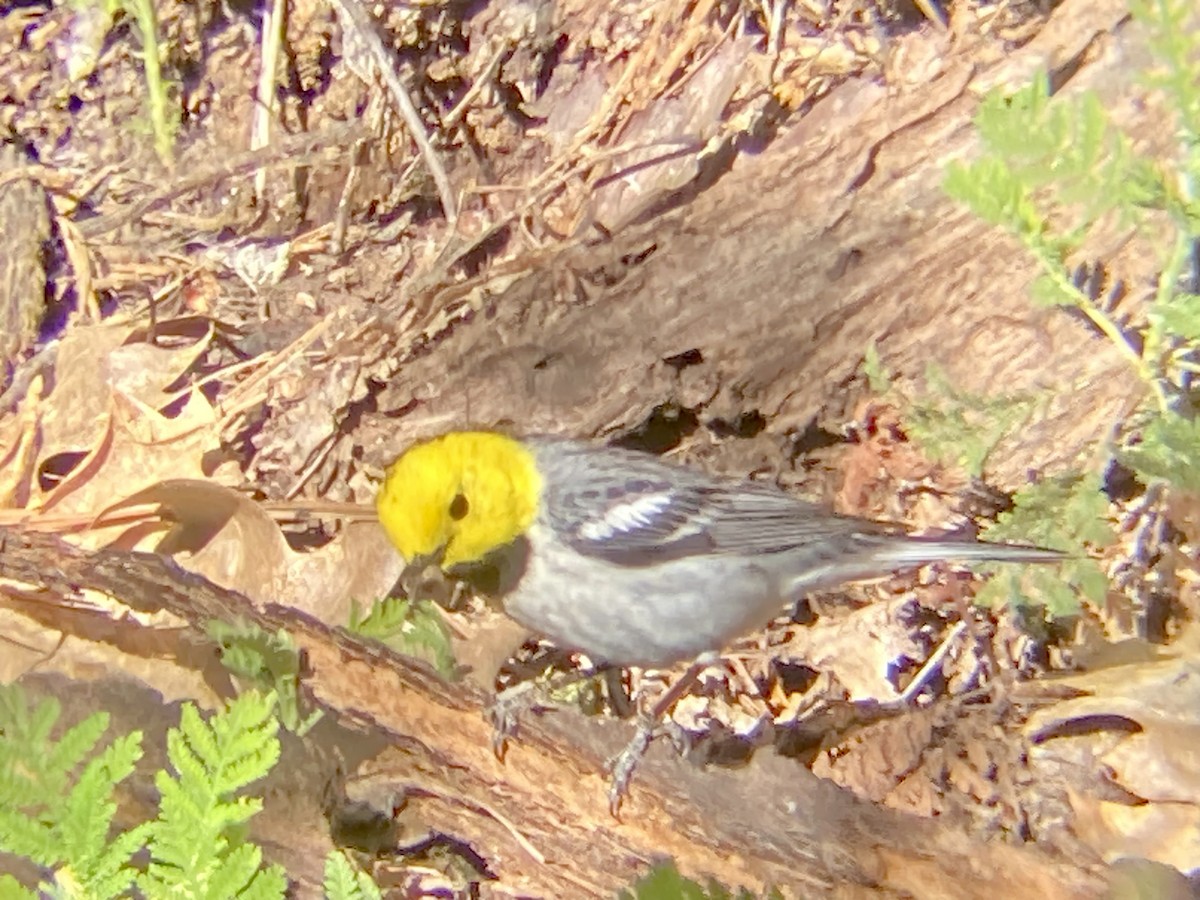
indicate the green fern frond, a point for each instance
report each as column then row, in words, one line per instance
column 197, row 843
column 87, row 818
column 665, row 882
column 412, row 628
column 1166, row 447
column 345, row 881
column 1069, row 514
column 61, row 820
column 267, row 661
column 1053, row 168
column 879, row 379
column 961, row 427
column 1172, row 30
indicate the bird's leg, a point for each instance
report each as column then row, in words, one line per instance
column 625, row 763
column 618, row 697
column 508, row 704
column 505, row 711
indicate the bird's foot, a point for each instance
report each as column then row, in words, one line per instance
column 505, row 711
column 624, row 764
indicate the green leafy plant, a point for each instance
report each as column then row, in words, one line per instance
column 56, row 799
column 101, row 14
column 345, row 881
column 268, row 661
column 198, row 843
column 1055, row 168
column 879, row 379
column 952, row 425
column 961, row 427
column 664, row 882
column 413, row 628
column 57, row 806
column 1068, row 514
column 1167, row 449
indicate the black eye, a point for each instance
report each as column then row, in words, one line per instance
column 459, row 507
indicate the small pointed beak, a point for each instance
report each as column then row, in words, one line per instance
column 423, row 577
column 428, row 559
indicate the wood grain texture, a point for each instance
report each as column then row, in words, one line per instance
column 25, row 231
column 781, row 273
column 540, row 818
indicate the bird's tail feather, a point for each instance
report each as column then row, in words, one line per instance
column 918, row 551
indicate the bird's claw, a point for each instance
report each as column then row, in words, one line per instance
column 505, row 711
column 622, row 766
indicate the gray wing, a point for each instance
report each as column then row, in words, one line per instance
column 632, row 509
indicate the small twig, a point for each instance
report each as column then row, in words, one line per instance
column 484, row 79
column 708, row 54
column 245, row 395
column 81, row 266
column 932, row 666
column 357, row 18
column 661, row 79
column 776, row 16
column 260, row 128
column 341, row 222
column 223, row 374
column 324, row 449
column 930, row 10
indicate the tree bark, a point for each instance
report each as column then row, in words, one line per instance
column 539, row 818
column 758, row 294
column 773, row 281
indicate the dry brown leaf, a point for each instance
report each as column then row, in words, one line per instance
column 138, row 373
column 361, row 566
column 110, row 424
column 215, row 531
column 80, row 390
column 1168, row 833
column 861, row 650
column 1136, row 727
column 118, row 463
column 1162, row 763
column 880, row 756
column 234, row 542
column 18, row 448
column 1155, row 756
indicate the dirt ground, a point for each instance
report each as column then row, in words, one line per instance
column 675, row 224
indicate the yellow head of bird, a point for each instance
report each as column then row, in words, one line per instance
column 458, row 497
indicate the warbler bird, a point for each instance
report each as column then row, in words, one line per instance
column 630, row 559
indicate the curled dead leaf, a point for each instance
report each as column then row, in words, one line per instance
column 233, row 541
column 215, row 531
column 1132, row 742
